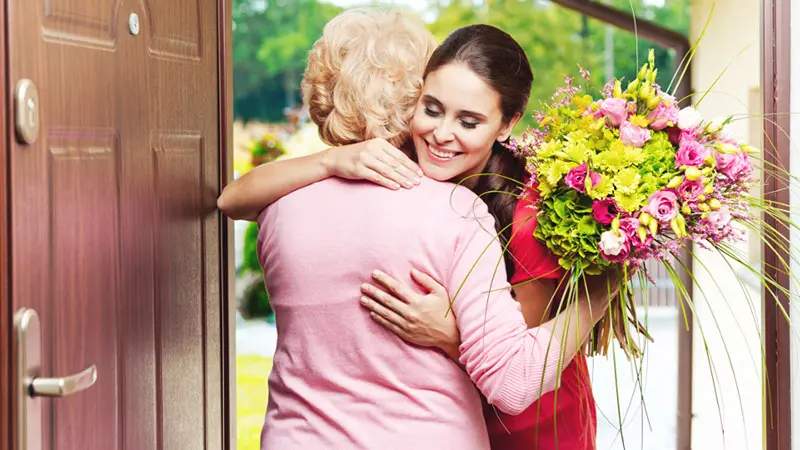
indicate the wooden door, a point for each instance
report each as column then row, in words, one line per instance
column 115, row 240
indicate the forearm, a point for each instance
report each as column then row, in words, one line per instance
column 247, row 196
column 573, row 325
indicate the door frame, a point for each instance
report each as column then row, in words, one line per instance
column 227, row 266
column 776, row 81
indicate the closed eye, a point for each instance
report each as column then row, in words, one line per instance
column 432, row 113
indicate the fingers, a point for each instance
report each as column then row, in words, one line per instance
column 399, row 290
column 387, row 324
column 389, row 301
column 377, row 307
column 427, row 282
column 377, row 177
column 389, row 168
column 411, row 169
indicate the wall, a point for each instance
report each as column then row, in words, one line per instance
column 728, row 320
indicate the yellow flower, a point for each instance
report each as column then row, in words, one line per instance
column 582, row 101
column 674, row 182
column 639, row 121
column 726, row 148
column 749, row 148
column 693, row 173
column 627, row 180
column 617, row 89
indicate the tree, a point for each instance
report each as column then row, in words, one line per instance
column 270, row 43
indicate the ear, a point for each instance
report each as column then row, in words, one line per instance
column 505, row 130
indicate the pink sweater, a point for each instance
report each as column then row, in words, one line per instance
column 340, row 381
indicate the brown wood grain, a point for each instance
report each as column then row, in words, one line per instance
column 114, row 234
column 5, row 304
column 776, row 42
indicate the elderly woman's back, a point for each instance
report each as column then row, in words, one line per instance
column 339, row 380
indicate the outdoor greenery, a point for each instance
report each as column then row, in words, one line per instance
column 255, row 299
column 271, row 40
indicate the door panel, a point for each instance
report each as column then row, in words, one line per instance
column 114, row 234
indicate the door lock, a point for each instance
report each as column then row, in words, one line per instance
column 26, row 114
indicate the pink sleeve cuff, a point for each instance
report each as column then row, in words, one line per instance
column 529, row 377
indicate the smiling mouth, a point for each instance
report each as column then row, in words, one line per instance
column 440, row 154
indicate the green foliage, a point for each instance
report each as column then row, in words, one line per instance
column 567, row 228
column 250, row 262
column 267, row 149
column 270, row 44
column 255, row 299
column 271, row 40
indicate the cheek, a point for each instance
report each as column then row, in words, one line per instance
column 478, row 143
column 422, row 124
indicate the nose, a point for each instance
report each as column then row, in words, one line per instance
column 442, row 134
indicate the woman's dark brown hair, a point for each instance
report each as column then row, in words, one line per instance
column 499, row 60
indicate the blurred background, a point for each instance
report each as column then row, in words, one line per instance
column 638, row 406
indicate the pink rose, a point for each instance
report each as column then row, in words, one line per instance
column 615, row 110
column 734, row 166
column 605, row 210
column 690, row 135
column 663, row 116
column 719, row 219
column 630, row 226
column 690, row 190
column 690, row 153
column 662, row 206
column 596, row 109
column 614, row 246
column 633, row 135
column 666, row 98
column 576, row 178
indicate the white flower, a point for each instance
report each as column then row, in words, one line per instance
column 715, row 125
column 726, row 133
column 612, row 242
column 689, row 118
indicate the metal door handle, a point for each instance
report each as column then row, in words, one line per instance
column 61, row 387
column 31, row 388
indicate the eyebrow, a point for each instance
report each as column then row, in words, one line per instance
column 477, row 115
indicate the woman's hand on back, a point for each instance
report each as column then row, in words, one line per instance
column 421, row 319
column 375, row 160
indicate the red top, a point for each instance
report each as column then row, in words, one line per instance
column 565, row 419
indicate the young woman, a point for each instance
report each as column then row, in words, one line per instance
column 476, row 87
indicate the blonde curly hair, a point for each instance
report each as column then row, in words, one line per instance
column 364, row 76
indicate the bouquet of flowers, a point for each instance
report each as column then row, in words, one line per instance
column 628, row 178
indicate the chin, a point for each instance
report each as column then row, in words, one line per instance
column 435, row 172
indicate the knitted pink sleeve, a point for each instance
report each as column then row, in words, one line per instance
column 511, row 365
